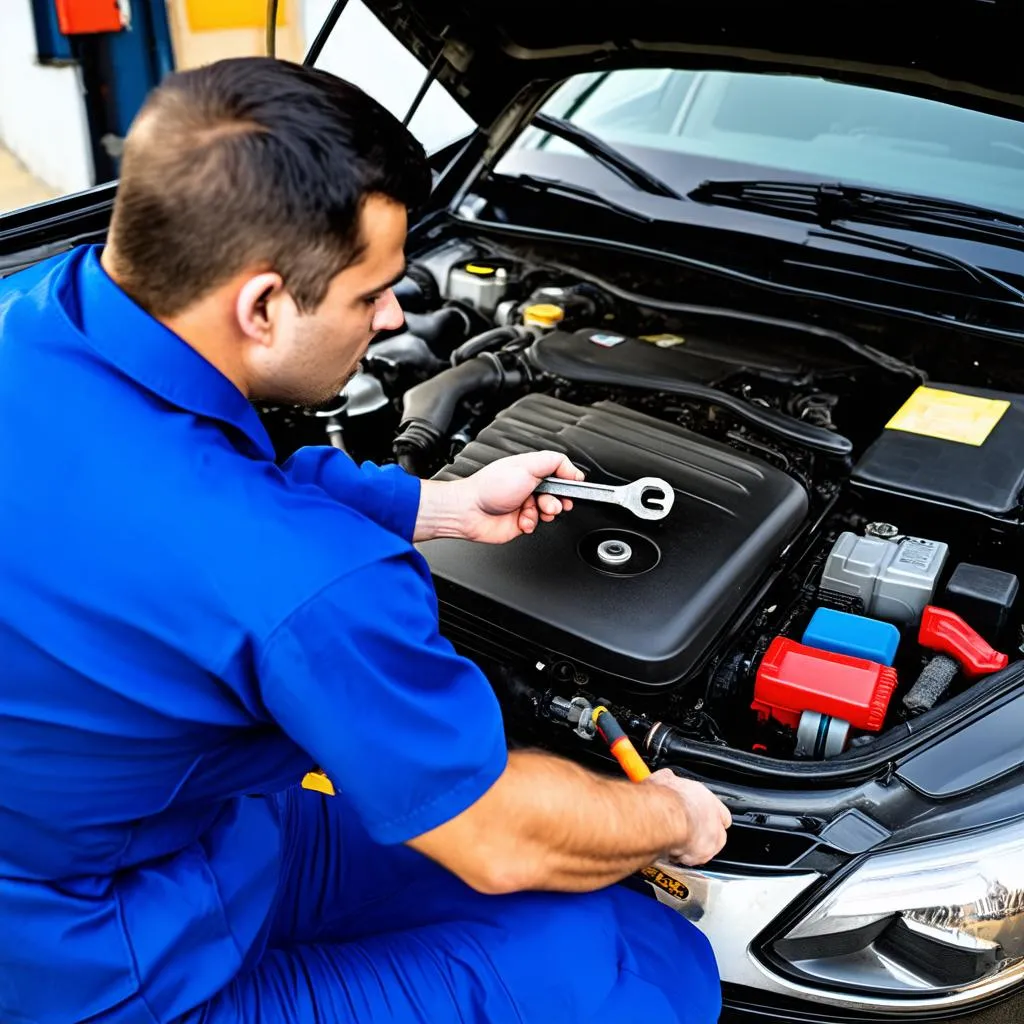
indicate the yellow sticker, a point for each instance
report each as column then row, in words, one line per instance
column 673, row 886
column 949, row 415
column 318, row 782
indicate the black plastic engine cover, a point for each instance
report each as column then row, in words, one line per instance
column 650, row 621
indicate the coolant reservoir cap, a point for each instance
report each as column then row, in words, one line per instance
column 544, row 314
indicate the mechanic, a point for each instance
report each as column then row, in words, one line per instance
column 188, row 626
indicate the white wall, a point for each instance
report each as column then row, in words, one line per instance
column 42, row 110
column 365, row 53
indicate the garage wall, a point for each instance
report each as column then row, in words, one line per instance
column 208, row 30
column 42, row 115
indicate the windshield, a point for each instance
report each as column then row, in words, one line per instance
column 687, row 127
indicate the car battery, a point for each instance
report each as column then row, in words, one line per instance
column 892, row 578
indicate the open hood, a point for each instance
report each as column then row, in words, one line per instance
column 966, row 52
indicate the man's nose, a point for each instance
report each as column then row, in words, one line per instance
column 388, row 315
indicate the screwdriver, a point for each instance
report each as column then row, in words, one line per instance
column 620, row 745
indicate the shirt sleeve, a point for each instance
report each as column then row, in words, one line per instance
column 362, row 680
column 386, row 494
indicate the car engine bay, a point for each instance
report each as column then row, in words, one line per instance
column 837, row 562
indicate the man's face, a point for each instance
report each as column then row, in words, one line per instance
column 315, row 354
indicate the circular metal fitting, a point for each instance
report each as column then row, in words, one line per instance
column 883, row 531
column 821, row 736
column 614, row 552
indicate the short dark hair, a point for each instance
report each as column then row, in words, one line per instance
column 253, row 161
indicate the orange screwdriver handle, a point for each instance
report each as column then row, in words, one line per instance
column 620, row 745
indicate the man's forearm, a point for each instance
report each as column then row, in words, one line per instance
column 550, row 824
column 441, row 511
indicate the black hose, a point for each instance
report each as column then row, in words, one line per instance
column 872, row 355
column 417, row 291
column 442, row 330
column 409, row 463
column 797, row 432
column 428, row 408
column 494, row 338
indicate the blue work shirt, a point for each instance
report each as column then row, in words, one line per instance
column 186, row 626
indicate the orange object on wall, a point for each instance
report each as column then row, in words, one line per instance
column 80, row 17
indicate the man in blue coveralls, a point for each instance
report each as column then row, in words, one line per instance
column 187, row 627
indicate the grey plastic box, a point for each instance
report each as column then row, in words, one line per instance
column 894, row 579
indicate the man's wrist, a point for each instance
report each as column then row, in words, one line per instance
column 674, row 812
column 442, row 510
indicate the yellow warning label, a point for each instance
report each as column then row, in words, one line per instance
column 949, row 415
column 670, row 885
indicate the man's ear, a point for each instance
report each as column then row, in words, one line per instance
column 256, row 304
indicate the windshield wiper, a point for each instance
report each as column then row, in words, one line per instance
column 826, row 202
column 550, row 185
column 566, row 188
column 606, row 155
column 924, row 255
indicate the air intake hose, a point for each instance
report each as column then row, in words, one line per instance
column 417, row 291
column 494, row 338
column 442, row 330
column 428, row 408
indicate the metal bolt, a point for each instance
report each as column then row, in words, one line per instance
column 614, row 552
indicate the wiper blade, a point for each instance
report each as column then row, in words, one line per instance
column 924, row 255
column 827, row 202
column 606, row 155
column 566, row 188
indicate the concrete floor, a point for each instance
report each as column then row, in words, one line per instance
column 17, row 186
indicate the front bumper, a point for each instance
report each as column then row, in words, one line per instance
column 749, row 1006
column 732, row 909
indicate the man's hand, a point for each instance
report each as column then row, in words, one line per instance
column 708, row 818
column 495, row 504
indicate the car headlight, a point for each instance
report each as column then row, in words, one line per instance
column 937, row 919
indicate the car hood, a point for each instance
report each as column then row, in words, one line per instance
column 965, row 52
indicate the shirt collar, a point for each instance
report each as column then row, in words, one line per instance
column 152, row 355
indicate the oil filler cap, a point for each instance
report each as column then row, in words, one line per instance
column 543, row 314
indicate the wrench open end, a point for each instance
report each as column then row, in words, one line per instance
column 654, row 498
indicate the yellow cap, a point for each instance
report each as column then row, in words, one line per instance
column 544, row 314
column 479, row 268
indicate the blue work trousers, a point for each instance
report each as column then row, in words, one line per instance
column 381, row 934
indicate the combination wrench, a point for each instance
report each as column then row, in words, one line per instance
column 650, row 497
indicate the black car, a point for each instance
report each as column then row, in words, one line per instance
column 772, row 255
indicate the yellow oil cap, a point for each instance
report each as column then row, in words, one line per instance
column 543, row 314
